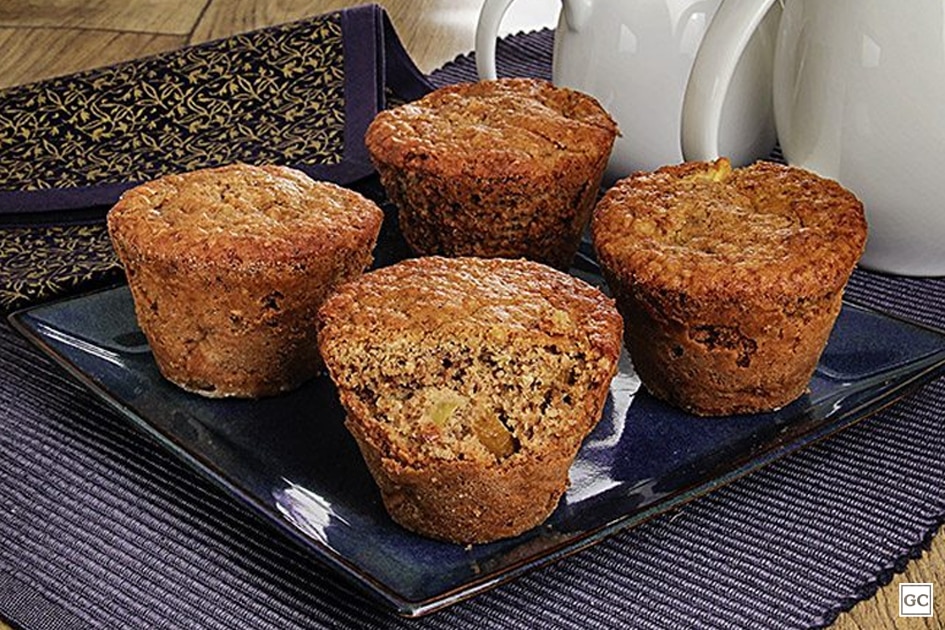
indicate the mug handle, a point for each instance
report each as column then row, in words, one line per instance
column 487, row 31
column 722, row 46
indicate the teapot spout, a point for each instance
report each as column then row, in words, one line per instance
column 576, row 13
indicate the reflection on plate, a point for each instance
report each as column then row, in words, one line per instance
column 290, row 458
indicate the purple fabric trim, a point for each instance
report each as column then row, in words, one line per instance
column 100, row 525
column 31, row 609
column 20, row 202
column 370, row 66
column 400, row 72
column 364, row 96
column 31, row 201
column 373, row 53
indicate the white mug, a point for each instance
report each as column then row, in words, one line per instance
column 859, row 97
column 635, row 57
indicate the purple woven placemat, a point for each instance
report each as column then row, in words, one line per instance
column 100, row 527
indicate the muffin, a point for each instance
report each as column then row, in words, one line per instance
column 508, row 168
column 729, row 280
column 228, row 266
column 469, row 385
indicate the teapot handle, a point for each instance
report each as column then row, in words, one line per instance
column 487, row 30
column 722, row 46
column 575, row 12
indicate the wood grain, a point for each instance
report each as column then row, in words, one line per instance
column 166, row 17
column 55, row 37
column 34, row 54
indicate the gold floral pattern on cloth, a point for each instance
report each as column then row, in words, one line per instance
column 275, row 95
column 44, row 262
column 272, row 95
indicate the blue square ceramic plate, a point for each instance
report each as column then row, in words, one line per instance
column 291, row 460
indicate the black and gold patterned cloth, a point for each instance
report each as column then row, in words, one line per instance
column 299, row 94
column 101, row 527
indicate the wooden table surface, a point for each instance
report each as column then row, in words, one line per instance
column 45, row 39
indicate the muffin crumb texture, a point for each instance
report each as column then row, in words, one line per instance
column 469, row 386
column 730, row 280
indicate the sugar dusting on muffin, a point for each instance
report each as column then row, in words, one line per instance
column 469, row 385
column 730, row 279
column 508, row 168
column 228, row 266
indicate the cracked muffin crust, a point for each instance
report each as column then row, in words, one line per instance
column 469, row 385
column 729, row 280
column 508, row 168
column 228, row 266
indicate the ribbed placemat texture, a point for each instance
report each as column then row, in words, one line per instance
column 101, row 528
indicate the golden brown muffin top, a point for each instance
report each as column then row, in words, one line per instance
column 493, row 128
column 470, row 362
column 438, row 296
column 702, row 228
column 240, row 215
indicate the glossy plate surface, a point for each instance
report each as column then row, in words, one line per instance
column 291, row 459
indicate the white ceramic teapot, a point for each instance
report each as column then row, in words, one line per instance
column 635, row 57
column 859, row 96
